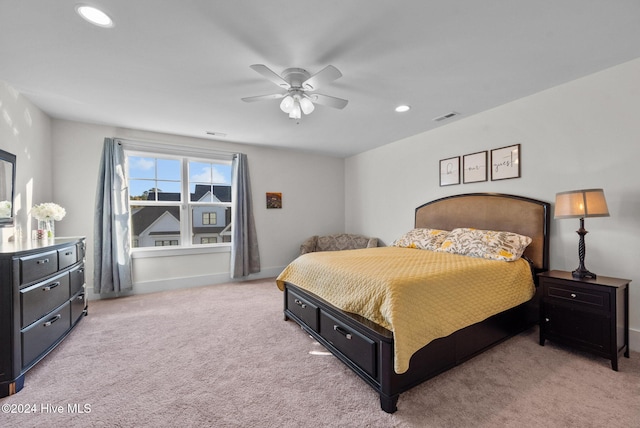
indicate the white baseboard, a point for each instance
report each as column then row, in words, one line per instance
column 634, row 340
column 188, row 282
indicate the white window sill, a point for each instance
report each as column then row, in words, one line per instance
column 146, row 252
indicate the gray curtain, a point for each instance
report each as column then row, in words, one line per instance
column 111, row 248
column 245, row 257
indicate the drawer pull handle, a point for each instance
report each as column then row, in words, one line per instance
column 52, row 320
column 299, row 303
column 573, row 295
column 342, row 332
column 51, row 286
column 43, row 261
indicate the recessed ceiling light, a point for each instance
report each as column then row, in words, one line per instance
column 94, row 15
column 403, row 108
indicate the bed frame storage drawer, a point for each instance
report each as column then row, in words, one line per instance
column 40, row 336
column 303, row 308
column 40, row 299
column 357, row 347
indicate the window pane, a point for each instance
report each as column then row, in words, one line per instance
column 169, row 169
column 210, row 172
column 142, row 167
column 209, row 193
column 153, row 226
column 209, row 182
column 168, row 191
column 139, row 190
column 210, row 224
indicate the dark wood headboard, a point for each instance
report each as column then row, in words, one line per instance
column 493, row 211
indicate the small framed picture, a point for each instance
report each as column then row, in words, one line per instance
column 505, row 162
column 274, row 200
column 450, row 171
column 474, row 167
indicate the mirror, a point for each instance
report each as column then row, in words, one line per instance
column 7, row 184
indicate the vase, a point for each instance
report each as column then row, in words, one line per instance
column 46, row 229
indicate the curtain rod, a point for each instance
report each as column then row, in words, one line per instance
column 171, row 148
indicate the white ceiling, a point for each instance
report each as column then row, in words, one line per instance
column 181, row 66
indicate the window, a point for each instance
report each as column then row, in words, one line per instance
column 179, row 201
column 209, row 218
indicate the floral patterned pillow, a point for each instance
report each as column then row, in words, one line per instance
column 486, row 244
column 423, row 239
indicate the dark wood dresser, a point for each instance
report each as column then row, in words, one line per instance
column 42, row 298
column 588, row 314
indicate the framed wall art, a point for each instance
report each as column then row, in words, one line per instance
column 505, row 162
column 274, row 200
column 474, row 167
column 450, row 171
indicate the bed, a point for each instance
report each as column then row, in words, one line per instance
column 383, row 345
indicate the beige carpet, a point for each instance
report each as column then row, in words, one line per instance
column 222, row 356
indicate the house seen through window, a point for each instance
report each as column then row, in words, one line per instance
column 179, row 201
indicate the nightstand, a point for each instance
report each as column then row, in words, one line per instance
column 588, row 314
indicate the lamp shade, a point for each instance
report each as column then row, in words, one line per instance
column 287, row 104
column 581, row 203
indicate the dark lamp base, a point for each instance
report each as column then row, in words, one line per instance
column 583, row 273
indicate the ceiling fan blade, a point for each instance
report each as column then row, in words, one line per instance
column 263, row 97
column 328, row 101
column 271, row 75
column 326, row 75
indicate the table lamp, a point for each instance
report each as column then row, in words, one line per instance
column 581, row 204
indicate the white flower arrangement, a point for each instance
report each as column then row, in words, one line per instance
column 48, row 211
column 5, row 209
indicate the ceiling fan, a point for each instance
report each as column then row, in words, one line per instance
column 299, row 89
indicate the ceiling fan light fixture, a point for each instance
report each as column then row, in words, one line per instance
column 306, row 105
column 287, row 104
column 295, row 113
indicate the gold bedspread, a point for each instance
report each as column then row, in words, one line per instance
column 419, row 295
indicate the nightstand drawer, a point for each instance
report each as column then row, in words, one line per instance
column 592, row 298
column 558, row 291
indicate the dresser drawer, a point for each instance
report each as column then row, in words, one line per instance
column 587, row 298
column 41, row 335
column 67, row 257
column 38, row 266
column 77, row 306
column 303, row 309
column 357, row 347
column 40, row 299
column 76, row 279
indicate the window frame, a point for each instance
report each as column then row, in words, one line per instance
column 186, row 243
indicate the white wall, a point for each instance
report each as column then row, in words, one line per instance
column 584, row 134
column 313, row 202
column 26, row 132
